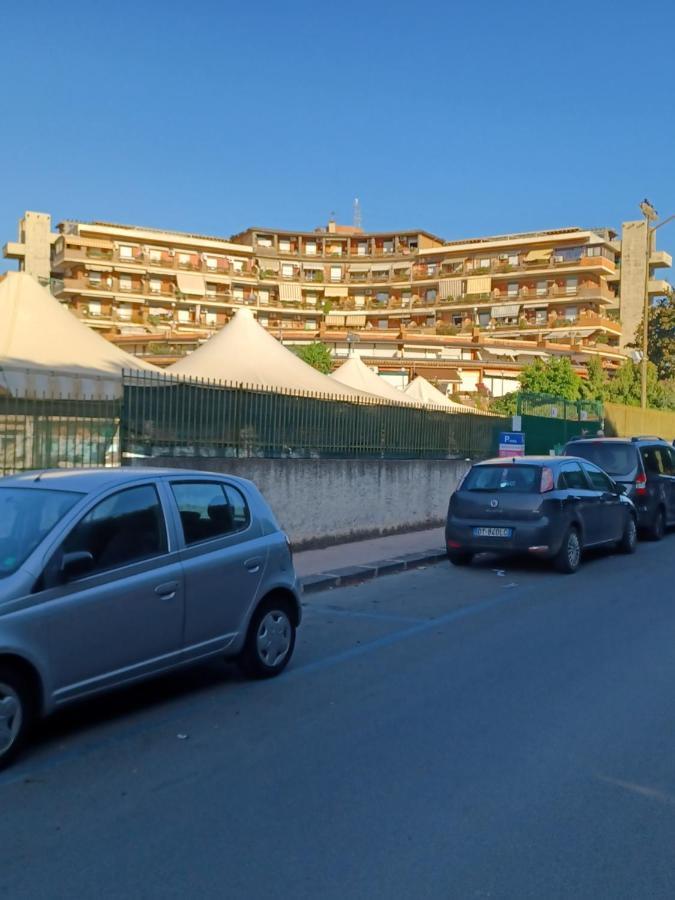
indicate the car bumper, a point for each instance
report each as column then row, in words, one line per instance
column 540, row 537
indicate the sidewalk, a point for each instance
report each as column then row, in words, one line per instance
column 357, row 561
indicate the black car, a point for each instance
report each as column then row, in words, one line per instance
column 645, row 466
column 548, row 506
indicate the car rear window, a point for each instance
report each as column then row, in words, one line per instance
column 506, row 478
column 615, row 459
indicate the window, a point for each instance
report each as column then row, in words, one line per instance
column 284, row 245
column 336, row 273
column 94, row 308
column 238, row 294
column 26, row 517
column 572, row 477
column 183, row 259
column 513, row 259
column 506, row 478
column 155, row 286
column 483, row 319
column 382, row 297
column 613, row 456
column 388, row 247
column 155, row 255
column 310, row 325
column 383, row 323
column 183, row 315
column 126, row 252
column 126, row 284
column 211, row 318
column 264, row 320
column 512, row 289
column 287, row 270
column 599, row 481
column 657, row 460
column 211, row 289
column 209, row 510
column 571, row 313
column 122, row 529
column 430, row 321
column 264, row 297
column 359, row 301
column 571, row 285
column 310, row 248
column 431, row 269
column 362, row 249
column 264, row 241
column 406, row 298
column 211, row 262
column 540, row 317
column 484, row 263
column 542, row 288
column 124, row 311
column 238, row 265
column 430, row 295
column 310, row 299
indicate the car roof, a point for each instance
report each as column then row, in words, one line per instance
column 600, row 440
column 90, row 480
column 533, row 460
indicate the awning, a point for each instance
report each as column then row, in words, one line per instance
column 479, row 285
column 77, row 240
column 335, row 320
column 381, row 267
column 538, row 255
column 290, row 292
column 359, row 267
column 189, row 283
column 500, row 351
column 337, row 291
column 312, row 267
column 449, row 287
column 269, row 265
column 507, row 311
column 356, row 321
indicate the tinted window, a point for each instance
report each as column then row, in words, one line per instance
column 514, row 479
column 27, row 515
column 657, row 460
column 209, row 510
column 599, row 481
column 124, row 528
column 571, row 477
column 617, row 459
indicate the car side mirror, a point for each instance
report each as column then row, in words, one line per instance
column 620, row 488
column 74, row 565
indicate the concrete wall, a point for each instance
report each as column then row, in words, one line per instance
column 323, row 501
column 632, row 289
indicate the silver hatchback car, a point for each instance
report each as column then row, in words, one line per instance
column 109, row 576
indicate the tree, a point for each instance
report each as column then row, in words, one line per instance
column 316, row 355
column 595, row 385
column 505, row 405
column 555, row 376
column 661, row 336
column 625, row 386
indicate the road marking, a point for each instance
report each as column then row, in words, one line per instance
column 359, row 614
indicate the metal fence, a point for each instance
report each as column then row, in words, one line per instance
column 42, row 433
column 167, row 416
column 548, row 422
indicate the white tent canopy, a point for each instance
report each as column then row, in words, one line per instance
column 356, row 374
column 45, row 350
column 421, row 391
column 243, row 352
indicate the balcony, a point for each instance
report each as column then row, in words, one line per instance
column 660, row 260
column 14, row 250
column 659, row 288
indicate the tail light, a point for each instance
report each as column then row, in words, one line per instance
column 546, row 484
column 641, row 484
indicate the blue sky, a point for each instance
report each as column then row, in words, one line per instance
column 460, row 118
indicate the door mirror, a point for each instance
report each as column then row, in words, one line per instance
column 620, row 488
column 74, row 565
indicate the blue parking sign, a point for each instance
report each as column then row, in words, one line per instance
column 511, row 443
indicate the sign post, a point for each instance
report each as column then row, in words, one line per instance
column 511, row 443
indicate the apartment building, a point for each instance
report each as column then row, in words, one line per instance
column 468, row 313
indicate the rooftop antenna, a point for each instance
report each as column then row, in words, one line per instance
column 357, row 213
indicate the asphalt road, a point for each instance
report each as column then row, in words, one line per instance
column 441, row 733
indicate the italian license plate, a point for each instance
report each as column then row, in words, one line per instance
column 487, row 531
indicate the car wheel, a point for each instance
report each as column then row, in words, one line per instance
column 568, row 558
column 16, row 713
column 270, row 640
column 628, row 542
column 460, row 557
column 658, row 527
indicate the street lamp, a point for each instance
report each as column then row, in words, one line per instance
column 650, row 215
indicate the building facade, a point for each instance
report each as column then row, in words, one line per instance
column 467, row 314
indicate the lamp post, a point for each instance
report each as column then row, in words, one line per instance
column 650, row 215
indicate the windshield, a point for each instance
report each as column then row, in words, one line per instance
column 27, row 515
column 615, row 459
column 510, row 478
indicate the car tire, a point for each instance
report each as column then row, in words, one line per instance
column 270, row 640
column 657, row 529
column 17, row 712
column 568, row 559
column 460, row 557
column 629, row 538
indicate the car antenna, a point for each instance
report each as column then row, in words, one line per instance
column 38, row 476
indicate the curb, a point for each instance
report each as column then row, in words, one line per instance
column 324, row 581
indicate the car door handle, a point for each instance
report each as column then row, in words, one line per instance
column 253, row 565
column 167, row 591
